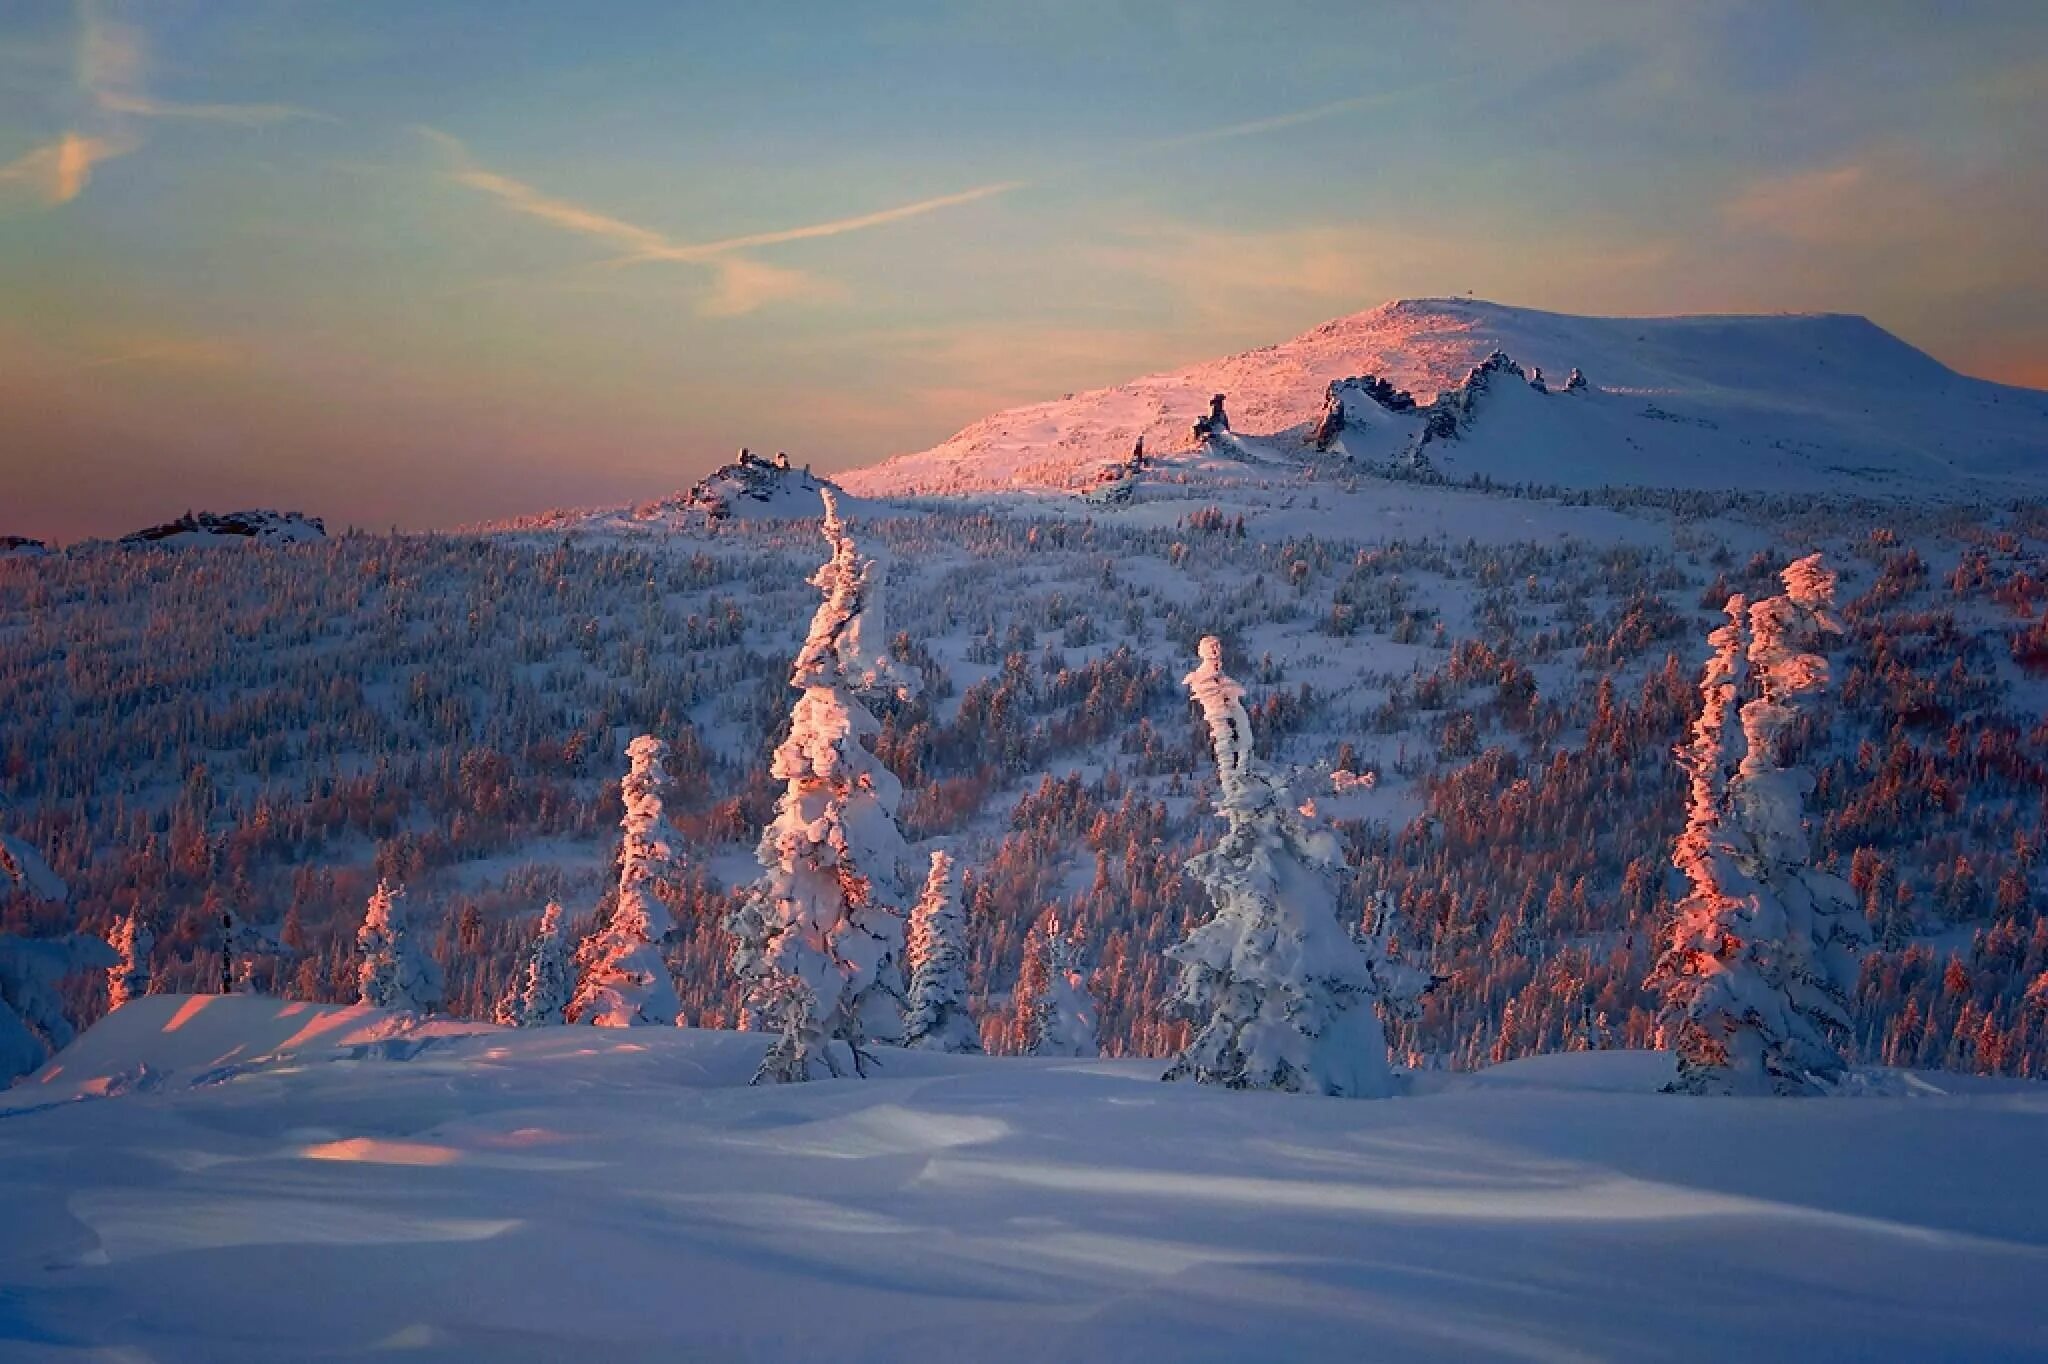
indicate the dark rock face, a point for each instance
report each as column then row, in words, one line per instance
column 1366, row 386
column 1217, row 423
column 243, row 525
column 1575, row 382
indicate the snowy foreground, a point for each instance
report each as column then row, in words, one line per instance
column 239, row 1178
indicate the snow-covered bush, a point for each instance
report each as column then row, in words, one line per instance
column 1761, row 956
column 32, row 1021
column 128, row 977
column 1279, row 988
column 938, row 1018
column 539, row 997
column 623, row 980
column 816, row 942
column 1056, row 1013
column 395, row 971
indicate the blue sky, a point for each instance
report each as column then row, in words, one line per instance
column 425, row 263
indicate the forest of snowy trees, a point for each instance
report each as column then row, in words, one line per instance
column 1494, row 798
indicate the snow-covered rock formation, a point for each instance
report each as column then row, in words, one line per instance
column 752, row 486
column 231, row 528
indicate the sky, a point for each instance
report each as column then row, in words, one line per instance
column 426, row 264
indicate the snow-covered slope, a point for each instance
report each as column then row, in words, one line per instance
column 1781, row 403
column 621, row 1194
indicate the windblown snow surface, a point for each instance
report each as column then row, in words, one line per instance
column 1781, row 404
column 223, row 1179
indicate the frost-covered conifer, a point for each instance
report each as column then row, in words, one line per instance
column 128, row 977
column 938, row 1018
column 816, row 942
column 539, row 996
column 1056, row 1012
column 1279, row 988
column 1757, row 967
column 394, row 971
column 625, row 981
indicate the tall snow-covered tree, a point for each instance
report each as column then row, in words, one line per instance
column 1757, row 967
column 395, row 971
column 625, row 981
column 816, row 942
column 539, row 996
column 1056, row 1014
column 939, row 1018
column 128, row 977
column 1280, row 989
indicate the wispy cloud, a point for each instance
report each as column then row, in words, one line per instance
column 741, row 284
column 1255, row 127
column 113, row 63
column 56, row 172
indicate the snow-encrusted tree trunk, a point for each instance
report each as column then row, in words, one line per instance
column 1056, row 1011
column 1279, row 987
column 128, row 977
column 816, row 942
column 1757, row 967
column 32, row 1021
column 394, row 971
column 625, row 981
column 539, row 997
column 939, row 1018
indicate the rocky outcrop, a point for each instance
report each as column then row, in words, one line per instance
column 753, row 485
column 1364, row 388
column 1217, row 423
column 242, row 527
column 21, row 547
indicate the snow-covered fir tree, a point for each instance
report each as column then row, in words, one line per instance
column 394, row 970
column 128, row 977
column 624, row 981
column 816, row 942
column 939, row 1018
column 1055, row 1011
column 1757, row 967
column 539, row 995
column 1278, row 986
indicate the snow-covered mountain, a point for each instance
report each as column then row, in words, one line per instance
column 1795, row 403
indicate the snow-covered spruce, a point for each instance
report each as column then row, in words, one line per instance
column 1279, row 988
column 32, row 1021
column 1055, row 1011
column 624, row 982
column 128, row 977
column 938, row 1018
column 395, row 972
column 815, row 941
column 1762, row 953
column 539, row 995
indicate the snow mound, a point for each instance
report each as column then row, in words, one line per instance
column 622, row 1193
column 231, row 528
column 1777, row 404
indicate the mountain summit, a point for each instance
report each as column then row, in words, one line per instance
column 1783, row 403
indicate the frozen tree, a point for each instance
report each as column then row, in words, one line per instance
column 1279, row 988
column 32, row 1021
column 938, row 1018
column 1055, row 1011
column 539, row 996
column 1756, row 970
column 624, row 981
column 128, row 977
column 394, row 971
column 815, row 942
